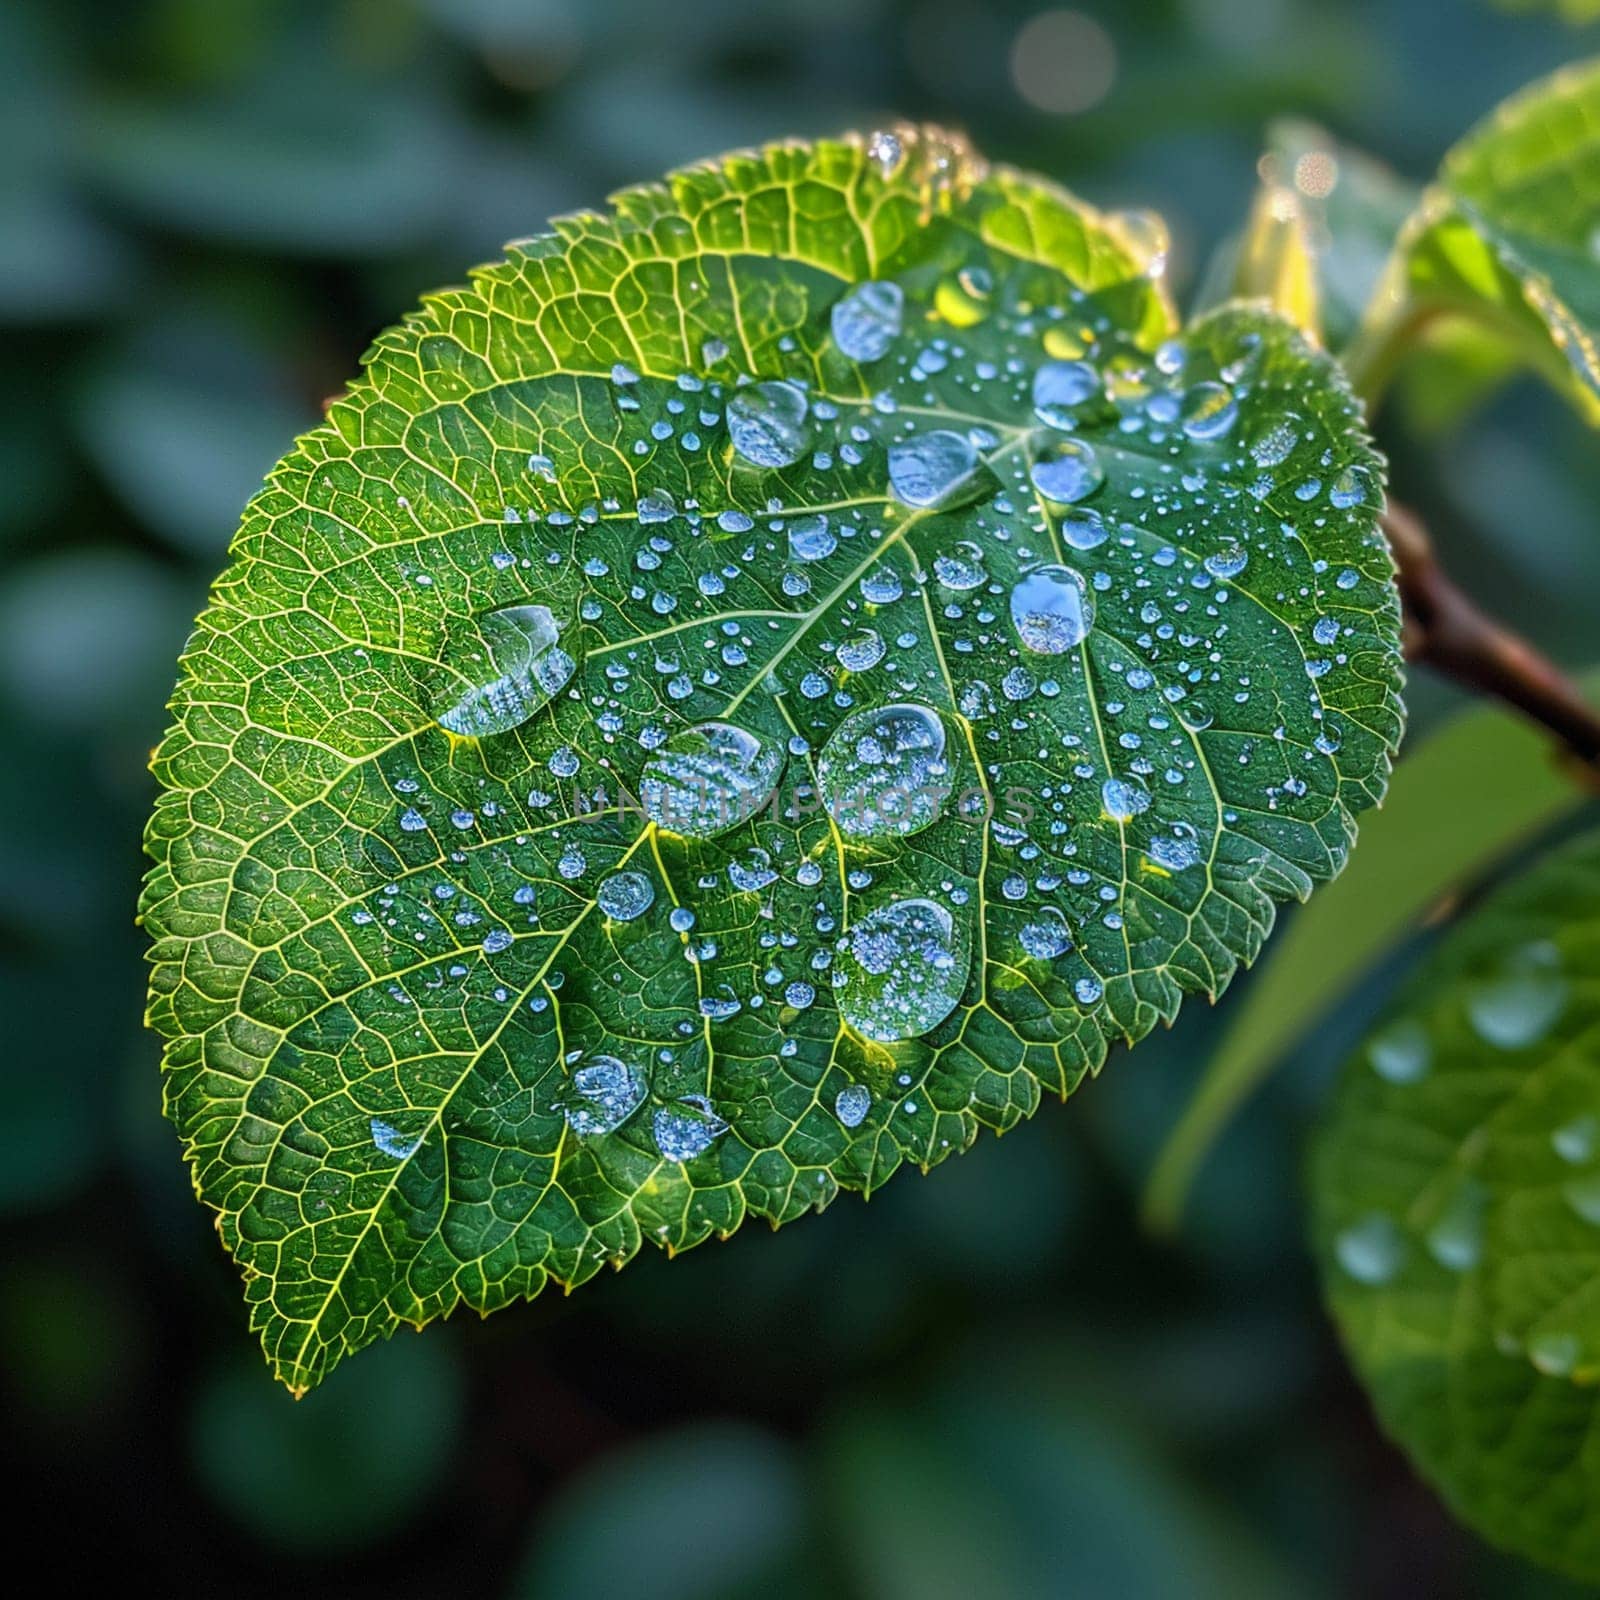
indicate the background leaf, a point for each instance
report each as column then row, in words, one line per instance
column 1461, row 800
column 447, row 1019
column 1454, row 1193
column 1506, row 236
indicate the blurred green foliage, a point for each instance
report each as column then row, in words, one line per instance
column 205, row 212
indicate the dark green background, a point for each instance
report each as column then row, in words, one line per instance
column 986, row 1383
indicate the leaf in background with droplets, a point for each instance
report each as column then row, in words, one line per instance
column 1509, row 235
column 1462, row 800
column 1456, row 1212
column 763, row 684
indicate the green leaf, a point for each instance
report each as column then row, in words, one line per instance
column 1351, row 210
column 1459, row 802
column 640, row 880
column 1507, row 236
column 1275, row 260
column 1456, row 1203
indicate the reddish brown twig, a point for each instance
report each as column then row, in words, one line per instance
column 1445, row 628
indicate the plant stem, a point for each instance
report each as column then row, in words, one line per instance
column 1445, row 628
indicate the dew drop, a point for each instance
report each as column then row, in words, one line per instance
column 900, row 970
column 687, row 1129
column 1520, row 1005
column 1208, row 411
column 852, row 1103
column 1067, row 471
column 1372, row 1250
column 1124, row 798
column 601, row 1095
column 1402, row 1052
column 769, row 423
column 625, row 895
column 882, row 773
column 1053, row 610
column 512, row 665
column 866, row 321
column 938, row 467
column 1060, row 387
column 709, row 778
column 1047, row 936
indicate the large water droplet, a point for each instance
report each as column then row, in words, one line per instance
column 1047, row 936
column 687, row 1129
column 601, row 1095
column 1067, row 471
column 1208, row 411
column 1517, row 1008
column 961, row 568
column 882, row 774
column 900, row 970
column 1060, row 387
column 1124, row 798
column 769, row 423
column 866, row 321
column 709, row 778
column 1053, row 610
column 935, row 468
column 625, row 895
column 811, row 539
column 852, row 1103
column 513, row 665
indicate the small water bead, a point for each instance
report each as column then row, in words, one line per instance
column 1052, row 609
column 1519, row 1006
column 933, row 468
column 882, row 587
column 963, row 300
column 867, row 320
column 601, row 1095
column 1047, row 936
column 1175, row 852
column 709, row 778
column 962, row 568
column 1554, row 1353
column 882, row 773
column 625, row 895
column 900, row 970
column 1352, row 487
column 680, row 919
column 863, row 650
column 687, row 1129
column 1575, row 1141
column 1067, row 471
column 1372, row 1250
column 852, row 1103
column 512, row 664
column 1088, row 991
column 1228, row 562
column 1060, row 387
column 1124, row 798
column 769, row 423
column 753, row 872
column 811, row 539
column 1208, row 411
column 1084, row 529
column 1455, row 1240
column 1402, row 1052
